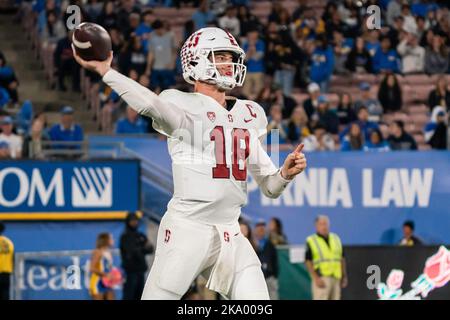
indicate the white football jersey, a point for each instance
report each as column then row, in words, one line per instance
column 211, row 149
column 211, row 153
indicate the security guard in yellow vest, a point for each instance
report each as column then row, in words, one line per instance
column 325, row 261
column 6, row 263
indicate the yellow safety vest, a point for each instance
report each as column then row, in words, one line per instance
column 6, row 255
column 326, row 258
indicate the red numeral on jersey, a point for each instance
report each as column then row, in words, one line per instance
column 220, row 171
column 240, row 147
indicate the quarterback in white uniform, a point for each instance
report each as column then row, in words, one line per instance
column 213, row 139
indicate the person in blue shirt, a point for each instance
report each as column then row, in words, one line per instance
column 376, row 142
column 66, row 130
column 132, row 123
column 322, row 63
column 386, row 59
column 144, row 30
column 373, row 43
column 353, row 140
column 363, row 122
column 254, row 50
column 202, row 16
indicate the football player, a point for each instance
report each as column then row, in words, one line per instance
column 199, row 234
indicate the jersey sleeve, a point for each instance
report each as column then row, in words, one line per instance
column 164, row 113
column 264, row 171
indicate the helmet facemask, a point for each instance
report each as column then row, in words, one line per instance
column 206, row 69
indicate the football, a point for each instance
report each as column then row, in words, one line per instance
column 91, row 41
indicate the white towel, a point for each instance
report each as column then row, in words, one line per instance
column 222, row 273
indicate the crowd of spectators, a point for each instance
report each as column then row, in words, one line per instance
column 292, row 52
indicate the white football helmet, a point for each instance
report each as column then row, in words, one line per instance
column 197, row 58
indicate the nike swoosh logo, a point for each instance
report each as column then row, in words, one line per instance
column 247, row 120
column 236, row 234
column 212, row 39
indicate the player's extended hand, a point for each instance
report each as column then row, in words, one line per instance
column 294, row 164
column 101, row 67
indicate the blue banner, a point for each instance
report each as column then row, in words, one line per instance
column 36, row 187
column 366, row 195
column 56, row 276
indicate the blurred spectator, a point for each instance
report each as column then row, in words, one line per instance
column 132, row 123
column 4, row 97
column 117, row 43
column 108, row 17
column 6, row 263
column 267, row 254
column 144, row 30
column 297, row 126
column 133, row 57
column 127, row 8
column 66, row 130
column 409, row 22
column 372, row 104
column 436, row 129
column 393, row 10
column 409, row 239
column 440, row 96
column 273, row 42
column 24, row 117
column 134, row 246
column 372, row 43
column 310, row 25
column 32, row 146
column 342, row 47
column 325, row 260
column 413, row 55
column 276, row 234
column 359, row 59
column 275, row 12
column 390, row 93
column 326, row 116
column 100, row 268
column 399, row 138
column 65, row 63
column 230, row 22
column 202, row 16
column 319, row 140
column 248, row 21
column 53, row 30
column 265, row 96
column 322, row 63
column 275, row 122
column 311, row 103
column 8, row 81
column 301, row 8
column 287, row 103
column 354, row 140
column 386, row 59
column 422, row 27
column 161, row 57
column 254, row 53
column 286, row 64
column 376, row 142
column 94, row 9
column 363, row 122
column 10, row 143
column 437, row 56
column 395, row 30
column 217, row 7
column 246, row 231
column 345, row 110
